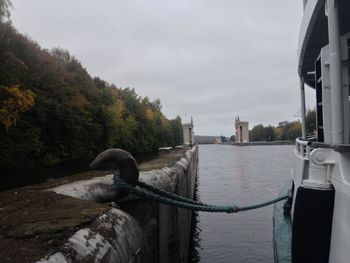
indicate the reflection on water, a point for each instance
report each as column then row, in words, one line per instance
column 242, row 175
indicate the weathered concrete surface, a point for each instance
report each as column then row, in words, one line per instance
column 103, row 189
column 113, row 237
column 166, row 228
column 46, row 225
column 98, row 189
column 34, row 223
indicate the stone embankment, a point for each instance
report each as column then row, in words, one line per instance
column 258, row 143
column 78, row 219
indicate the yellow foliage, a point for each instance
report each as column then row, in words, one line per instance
column 20, row 101
column 150, row 114
column 278, row 133
column 117, row 109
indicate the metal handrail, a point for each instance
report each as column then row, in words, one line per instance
column 302, row 141
column 303, row 148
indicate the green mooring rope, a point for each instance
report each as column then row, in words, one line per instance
column 150, row 192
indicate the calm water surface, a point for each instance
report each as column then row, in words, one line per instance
column 244, row 175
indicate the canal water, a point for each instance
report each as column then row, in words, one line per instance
column 242, row 175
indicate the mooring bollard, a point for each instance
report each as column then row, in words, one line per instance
column 114, row 158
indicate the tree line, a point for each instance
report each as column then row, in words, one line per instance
column 52, row 110
column 285, row 130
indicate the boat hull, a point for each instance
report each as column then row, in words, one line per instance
column 282, row 228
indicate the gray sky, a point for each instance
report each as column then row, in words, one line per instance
column 210, row 59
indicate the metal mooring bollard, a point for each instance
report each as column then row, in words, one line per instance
column 118, row 158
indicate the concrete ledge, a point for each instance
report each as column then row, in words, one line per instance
column 103, row 189
column 166, row 228
column 71, row 222
column 97, row 189
column 113, row 237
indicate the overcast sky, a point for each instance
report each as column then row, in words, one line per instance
column 210, row 59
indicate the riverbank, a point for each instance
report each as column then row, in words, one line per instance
column 39, row 222
column 258, row 143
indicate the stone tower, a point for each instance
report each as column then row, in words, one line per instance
column 187, row 129
column 241, row 131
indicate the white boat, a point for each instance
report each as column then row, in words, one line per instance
column 314, row 226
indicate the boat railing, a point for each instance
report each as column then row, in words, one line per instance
column 303, row 148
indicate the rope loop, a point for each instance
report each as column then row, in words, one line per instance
column 149, row 192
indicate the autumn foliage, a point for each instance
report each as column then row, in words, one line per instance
column 19, row 101
column 52, row 110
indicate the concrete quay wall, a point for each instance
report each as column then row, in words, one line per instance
column 133, row 229
column 166, row 228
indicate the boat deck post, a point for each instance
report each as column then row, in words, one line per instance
column 303, row 118
column 335, row 72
